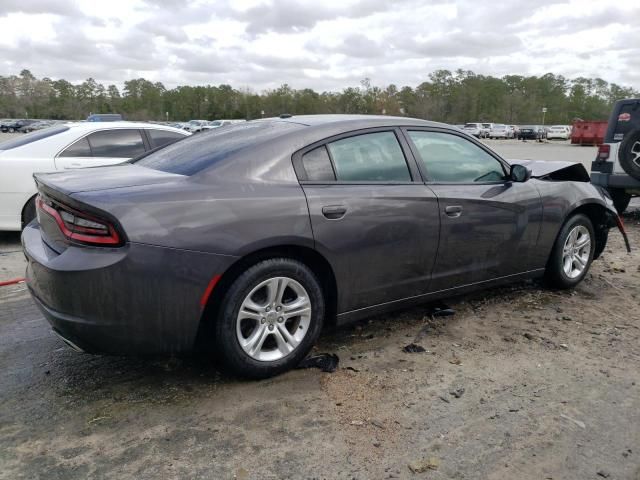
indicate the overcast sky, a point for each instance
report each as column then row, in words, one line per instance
column 322, row 44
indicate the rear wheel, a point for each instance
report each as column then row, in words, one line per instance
column 572, row 253
column 620, row 199
column 270, row 318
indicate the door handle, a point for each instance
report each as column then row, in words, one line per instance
column 453, row 211
column 334, row 212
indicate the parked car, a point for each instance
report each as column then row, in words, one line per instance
column 562, row 132
column 500, row 130
column 15, row 125
column 63, row 147
column 486, row 128
column 195, row 126
column 532, row 132
column 617, row 165
column 475, row 129
column 105, row 117
column 37, row 125
column 220, row 123
column 248, row 239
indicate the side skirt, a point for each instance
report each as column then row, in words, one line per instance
column 353, row 315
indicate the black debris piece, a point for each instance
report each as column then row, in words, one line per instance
column 441, row 309
column 327, row 362
column 413, row 348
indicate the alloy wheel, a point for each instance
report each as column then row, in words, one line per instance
column 273, row 319
column 576, row 251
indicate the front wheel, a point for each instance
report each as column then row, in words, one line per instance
column 572, row 253
column 270, row 318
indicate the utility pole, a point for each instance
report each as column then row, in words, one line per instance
column 544, row 111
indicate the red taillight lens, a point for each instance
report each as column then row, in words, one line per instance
column 603, row 152
column 79, row 226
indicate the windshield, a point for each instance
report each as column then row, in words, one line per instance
column 486, row 125
column 33, row 137
column 471, row 125
column 215, row 123
column 195, row 153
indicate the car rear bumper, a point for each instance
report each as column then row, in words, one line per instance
column 133, row 300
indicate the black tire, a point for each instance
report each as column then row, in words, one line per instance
column 555, row 275
column 29, row 212
column 620, row 199
column 226, row 341
column 630, row 151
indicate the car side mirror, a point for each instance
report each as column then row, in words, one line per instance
column 519, row 173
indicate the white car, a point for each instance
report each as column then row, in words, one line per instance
column 220, row 123
column 500, row 130
column 195, row 126
column 559, row 131
column 475, row 129
column 68, row 146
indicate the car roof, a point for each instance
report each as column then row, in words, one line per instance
column 89, row 126
column 348, row 119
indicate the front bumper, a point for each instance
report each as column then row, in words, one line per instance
column 133, row 300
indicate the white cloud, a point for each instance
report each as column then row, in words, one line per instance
column 326, row 45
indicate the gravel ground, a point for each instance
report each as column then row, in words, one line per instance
column 521, row 383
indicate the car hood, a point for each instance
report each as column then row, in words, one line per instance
column 559, row 171
column 103, row 178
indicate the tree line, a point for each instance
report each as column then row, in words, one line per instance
column 451, row 97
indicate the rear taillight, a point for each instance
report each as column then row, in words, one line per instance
column 79, row 226
column 603, row 152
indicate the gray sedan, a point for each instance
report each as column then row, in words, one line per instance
column 246, row 240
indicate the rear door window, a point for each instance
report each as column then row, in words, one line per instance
column 120, row 143
column 370, row 157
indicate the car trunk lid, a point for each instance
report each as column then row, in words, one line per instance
column 102, row 178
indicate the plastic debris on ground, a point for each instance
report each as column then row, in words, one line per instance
column 327, row 362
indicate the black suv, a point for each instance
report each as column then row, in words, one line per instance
column 617, row 165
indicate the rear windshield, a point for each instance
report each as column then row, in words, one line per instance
column 32, row 137
column 195, row 153
column 624, row 118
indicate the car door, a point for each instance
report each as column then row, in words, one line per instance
column 372, row 217
column 103, row 147
column 489, row 224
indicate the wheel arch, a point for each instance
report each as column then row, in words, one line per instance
column 309, row 256
column 32, row 198
column 600, row 217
